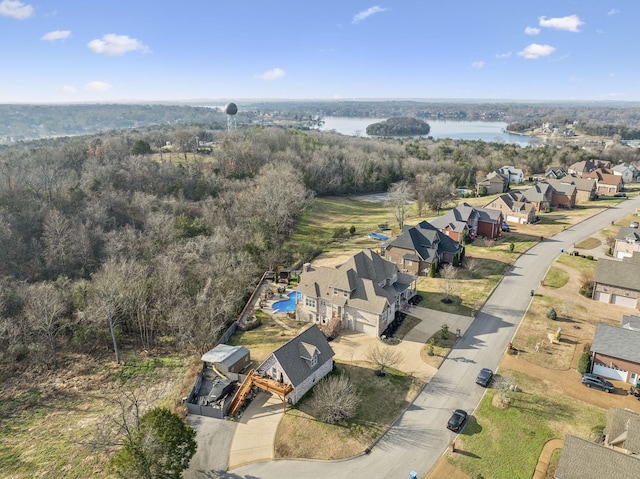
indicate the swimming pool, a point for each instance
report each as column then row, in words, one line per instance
column 287, row 305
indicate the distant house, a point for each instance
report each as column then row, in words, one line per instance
column 301, row 363
column 585, row 459
column 539, row 195
column 622, row 431
column 563, row 194
column 468, row 220
column 618, row 282
column 515, row 175
column 364, row 293
column 583, row 167
column 627, row 243
column 615, row 353
column 628, row 172
column 418, row 247
column 586, row 188
column 555, row 172
column 606, row 182
column 492, row 184
column 515, row 209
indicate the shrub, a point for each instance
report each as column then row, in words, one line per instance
column 511, row 247
column 551, row 314
column 339, row 232
column 584, row 363
column 589, row 257
column 432, row 270
column 444, row 331
column 352, row 230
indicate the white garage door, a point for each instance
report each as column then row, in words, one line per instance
column 600, row 296
column 610, row 373
column 622, row 254
column 623, row 301
column 513, row 219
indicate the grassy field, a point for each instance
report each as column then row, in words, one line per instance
column 300, row 435
column 517, row 433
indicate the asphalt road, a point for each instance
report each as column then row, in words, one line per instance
column 419, row 437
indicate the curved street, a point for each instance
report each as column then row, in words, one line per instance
column 418, row 438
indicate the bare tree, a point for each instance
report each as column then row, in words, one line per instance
column 384, row 357
column 449, row 275
column 435, row 190
column 398, row 199
column 335, row 399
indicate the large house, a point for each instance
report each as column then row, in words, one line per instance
column 300, row 363
column 468, row 220
column 514, row 208
column 515, row 175
column 606, row 182
column 581, row 168
column 628, row 172
column 493, row 183
column 418, row 247
column 364, row 293
column 627, row 242
column 586, row 188
column 618, row 282
column 615, row 353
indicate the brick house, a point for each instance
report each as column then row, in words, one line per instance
column 606, row 182
column 468, row 220
column 364, row 293
column 615, row 353
column 514, row 208
column 627, row 242
column 418, row 247
column 586, row 188
column 563, row 195
column 301, row 362
column 618, row 282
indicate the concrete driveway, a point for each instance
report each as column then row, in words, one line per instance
column 213, row 437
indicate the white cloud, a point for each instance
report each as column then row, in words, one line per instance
column 570, row 23
column 115, row 45
column 613, row 11
column 68, row 89
column 535, row 51
column 272, row 74
column 503, row 55
column 364, row 14
column 477, row 65
column 97, row 86
column 56, row 35
column 15, row 9
column 531, row 30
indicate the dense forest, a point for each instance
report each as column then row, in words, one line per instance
column 117, row 235
column 399, row 126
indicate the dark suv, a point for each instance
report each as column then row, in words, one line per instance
column 593, row 381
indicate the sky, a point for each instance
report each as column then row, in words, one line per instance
column 62, row 51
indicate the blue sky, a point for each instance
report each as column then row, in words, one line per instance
column 160, row 50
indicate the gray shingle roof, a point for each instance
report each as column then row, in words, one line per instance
column 623, row 274
column 426, row 240
column 627, row 231
column 630, row 321
column 294, row 356
column 623, row 425
column 616, row 342
column 582, row 459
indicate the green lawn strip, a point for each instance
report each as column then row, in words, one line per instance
column 556, row 278
column 583, row 265
column 506, row 443
column 382, row 399
column 588, row 243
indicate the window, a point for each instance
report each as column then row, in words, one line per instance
column 335, row 291
column 274, row 372
column 409, row 263
column 345, row 294
column 314, row 360
column 310, row 302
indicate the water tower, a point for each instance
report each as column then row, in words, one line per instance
column 231, row 109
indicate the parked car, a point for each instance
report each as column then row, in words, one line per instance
column 457, row 420
column 505, row 227
column 593, row 381
column 620, row 195
column 634, row 224
column 484, row 377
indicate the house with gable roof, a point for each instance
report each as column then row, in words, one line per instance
column 585, row 459
column 364, row 293
column 622, row 431
column 515, row 208
column 515, row 175
column 627, row 242
column 418, row 247
column 615, row 353
column 586, row 188
column 606, row 182
column 468, row 220
column 628, row 172
column 493, row 183
column 618, row 282
column 300, row 363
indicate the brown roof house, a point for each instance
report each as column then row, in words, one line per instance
column 468, row 220
column 586, row 188
column 622, row 432
column 515, row 208
column 584, row 459
column 301, row 362
column 418, row 247
column 606, row 182
column 618, row 282
column 627, row 243
column 615, row 353
column 581, row 168
column 493, row 183
column 545, row 194
column 363, row 293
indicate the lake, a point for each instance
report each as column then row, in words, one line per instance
column 491, row 131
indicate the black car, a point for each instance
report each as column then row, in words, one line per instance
column 593, row 381
column 484, row 377
column 456, row 421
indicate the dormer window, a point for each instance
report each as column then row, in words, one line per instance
column 314, row 360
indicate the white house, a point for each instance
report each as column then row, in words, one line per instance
column 516, row 175
column 628, row 172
